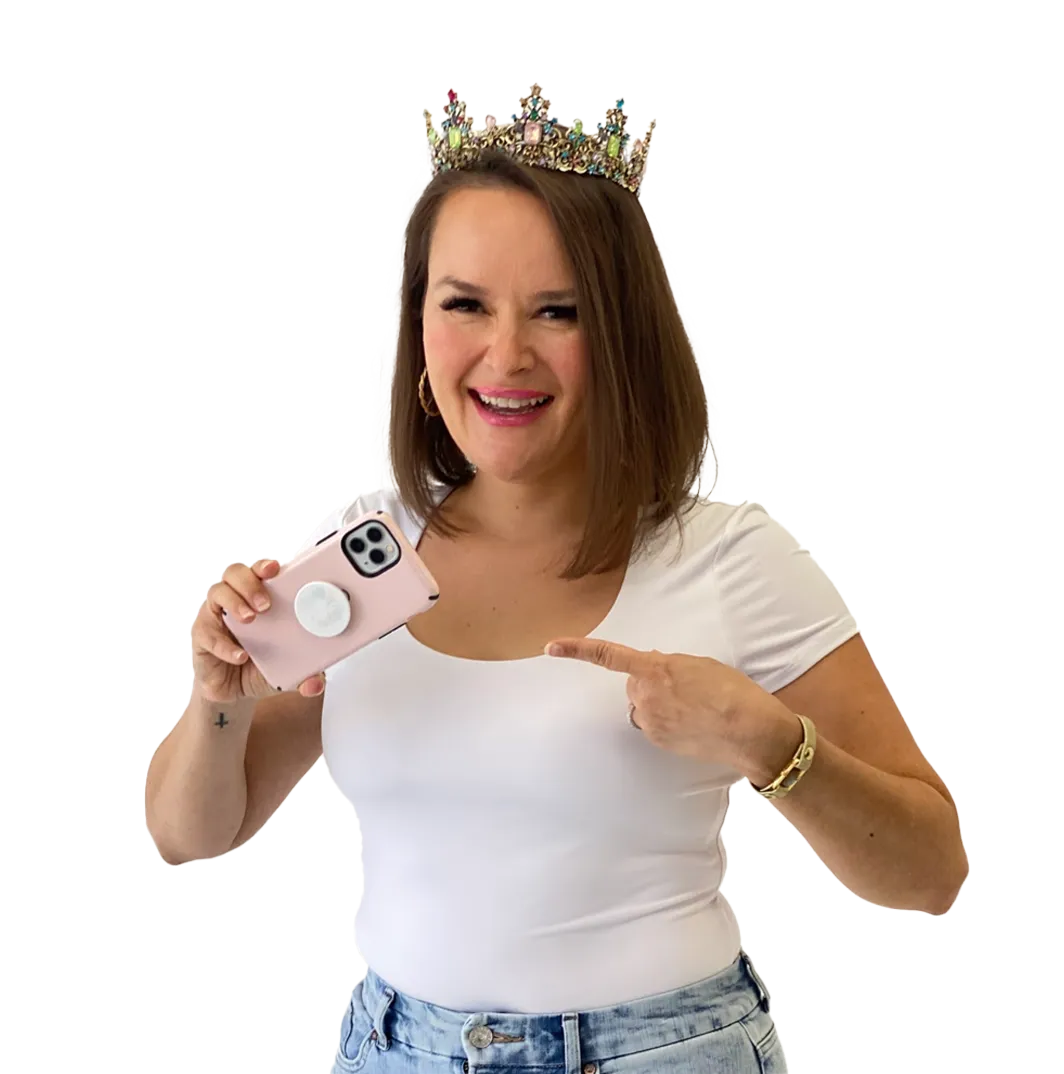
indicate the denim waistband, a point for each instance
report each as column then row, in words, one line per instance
column 568, row 1038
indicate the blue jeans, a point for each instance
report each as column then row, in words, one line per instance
column 721, row 1024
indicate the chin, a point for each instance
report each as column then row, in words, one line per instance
column 513, row 455
column 509, row 470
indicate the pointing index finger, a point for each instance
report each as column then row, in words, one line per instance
column 606, row 654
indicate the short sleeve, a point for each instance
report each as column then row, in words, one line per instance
column 781, row 612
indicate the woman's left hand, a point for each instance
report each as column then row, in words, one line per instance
column 696, row 706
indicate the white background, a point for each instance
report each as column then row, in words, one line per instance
column 860, row 208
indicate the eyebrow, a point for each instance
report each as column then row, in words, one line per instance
column 473, row 289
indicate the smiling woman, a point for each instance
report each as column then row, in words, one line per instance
column 542, row 833
column 526, row 282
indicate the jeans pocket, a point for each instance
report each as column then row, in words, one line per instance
column 724, row 1050
column 761, row 1030
column 357, row 1036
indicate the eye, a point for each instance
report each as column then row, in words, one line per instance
column 469, row 305
column 463, row 305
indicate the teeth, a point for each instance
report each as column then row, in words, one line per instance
column 511, row 404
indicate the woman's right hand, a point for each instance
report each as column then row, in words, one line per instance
column 223, row 670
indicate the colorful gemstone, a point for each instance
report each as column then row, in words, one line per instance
column 613, row 146
column 454, row 136
column 578, row 127
column 638, row 147
column 433, row 136
column 489, row 123
column 533, row 133
column 452, row 96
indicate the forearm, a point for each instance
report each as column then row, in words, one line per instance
column 196, row 792
column 893, row 840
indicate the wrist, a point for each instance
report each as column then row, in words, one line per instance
column 778, row 740
column 221, row 716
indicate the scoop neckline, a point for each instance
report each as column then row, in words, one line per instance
column 595, row 631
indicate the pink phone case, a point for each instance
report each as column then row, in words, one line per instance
column 287, row 653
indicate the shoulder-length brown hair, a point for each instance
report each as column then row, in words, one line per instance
column 646, row 407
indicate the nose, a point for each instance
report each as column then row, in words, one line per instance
column 508, row 352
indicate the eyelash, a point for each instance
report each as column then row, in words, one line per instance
column 568, row 313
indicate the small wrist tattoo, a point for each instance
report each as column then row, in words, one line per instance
column 221, row 721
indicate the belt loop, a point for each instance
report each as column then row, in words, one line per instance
column 378, row 1019
column 763, row 993
column 571, row 1036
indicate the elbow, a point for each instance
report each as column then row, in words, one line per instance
column 176, row 857
column 171, row 840
column 171, row 858
column 167, row 851
column 949, row 897
column 952, row 873
column 941, row 907
column 171, row 855
column 174, row 854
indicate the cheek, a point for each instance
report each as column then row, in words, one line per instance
column 569, row 362
column 443, row 340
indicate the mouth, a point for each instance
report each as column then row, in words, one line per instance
column 510, row 409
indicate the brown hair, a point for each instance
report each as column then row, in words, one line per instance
column 646, row 408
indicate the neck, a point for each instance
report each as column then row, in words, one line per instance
column 543, row 511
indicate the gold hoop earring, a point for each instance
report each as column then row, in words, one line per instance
column 421, row 395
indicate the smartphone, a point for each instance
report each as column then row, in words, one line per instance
column 354, row 586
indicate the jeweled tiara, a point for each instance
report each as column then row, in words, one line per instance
column 543, row 142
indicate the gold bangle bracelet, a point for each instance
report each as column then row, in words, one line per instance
column 784, row 783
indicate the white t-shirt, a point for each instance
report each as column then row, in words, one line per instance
column 524, row 849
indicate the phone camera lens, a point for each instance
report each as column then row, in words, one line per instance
column 377, row 556
column 375, row 535
column 358, row 545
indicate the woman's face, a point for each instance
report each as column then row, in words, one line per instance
column 506, row 357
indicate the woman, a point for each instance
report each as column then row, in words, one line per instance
column 542, row 874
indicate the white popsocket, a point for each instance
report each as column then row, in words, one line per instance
column 323, row 609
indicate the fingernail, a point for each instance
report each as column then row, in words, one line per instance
column 552, row 649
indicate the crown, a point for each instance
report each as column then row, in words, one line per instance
column 535, row 139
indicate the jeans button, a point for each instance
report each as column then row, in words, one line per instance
column 590, row 1068
column 465, row 1068
column 480, row 1036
